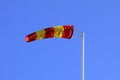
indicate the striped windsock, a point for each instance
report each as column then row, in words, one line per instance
column 64, row 31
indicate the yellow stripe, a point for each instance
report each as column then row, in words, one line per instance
column 40, row 34
column 58, row 30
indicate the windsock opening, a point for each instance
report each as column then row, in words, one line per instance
column 30, row 37
column 27, row 39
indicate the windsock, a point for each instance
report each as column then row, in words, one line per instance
column 64, row 31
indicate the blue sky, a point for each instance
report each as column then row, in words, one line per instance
column 59, row 59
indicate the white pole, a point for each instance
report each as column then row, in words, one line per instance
column 83, row 55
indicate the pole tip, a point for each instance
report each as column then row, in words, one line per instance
column 82, row 34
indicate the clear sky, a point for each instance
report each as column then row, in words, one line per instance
column 59, row 59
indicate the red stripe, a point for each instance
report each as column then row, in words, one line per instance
column 68, row 31
column 31, row 37
column 49, row 32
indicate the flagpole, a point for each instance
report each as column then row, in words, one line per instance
column 83, row 56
